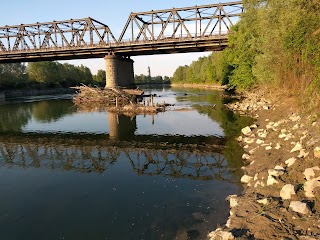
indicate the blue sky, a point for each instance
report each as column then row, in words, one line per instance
column 113, row 13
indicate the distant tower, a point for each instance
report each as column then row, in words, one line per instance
column 149, row 73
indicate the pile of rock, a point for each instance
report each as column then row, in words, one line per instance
column 282, row 177
column 250, row 104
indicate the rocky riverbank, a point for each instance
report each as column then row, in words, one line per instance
column 281, row 172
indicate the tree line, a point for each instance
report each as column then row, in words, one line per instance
column 275, row 43
column 147, row 79
column 47, row 75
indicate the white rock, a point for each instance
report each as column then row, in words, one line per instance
column 309, row 173
column 233, row 201
column 228, row 224
column 265, row 107
column 275, row 173
column 314, row 124
column 239, row 139
column 246, row 131
column 255, row 178
column 279, row 168
column 259, row 183
column 276, row 124
column 296, row 148
column 246, row 156
column 252, row 163
column 316, row 152
column 268, row 148
column 295, row 118
column 219, row 234
column 299, row 207
column 248, row 140
column 283, row 130
column 278, row 146
column 259, row 141
column 246, row 179
column 310, row 185
column 271, row 181
column 290, row 161
column 286, row 191
column 253, row 126
column 303, row 153
column 262, row 134
column 263, row 201
column 282, row 135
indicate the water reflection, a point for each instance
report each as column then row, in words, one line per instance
column 121, row 127
column 98, row 153
column 13, row 117
column 142, row 177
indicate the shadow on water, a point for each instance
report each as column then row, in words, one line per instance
column 121, row 179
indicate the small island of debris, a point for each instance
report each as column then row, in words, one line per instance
column 118, row 99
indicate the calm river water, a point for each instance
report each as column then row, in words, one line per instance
column 72, row 174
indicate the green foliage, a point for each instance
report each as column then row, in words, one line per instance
column 207, row 70
column 143, row 79
column 275, row 42
column 12, row 75
column 47, row 74
column 44, row 72
column 100, row 77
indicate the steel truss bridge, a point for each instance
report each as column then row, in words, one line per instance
column 177, row 30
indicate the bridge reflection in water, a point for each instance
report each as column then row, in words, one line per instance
column 195, row 157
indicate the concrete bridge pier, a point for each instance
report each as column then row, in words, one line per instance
column 119, row 71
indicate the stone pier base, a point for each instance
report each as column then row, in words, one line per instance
column 119, row 71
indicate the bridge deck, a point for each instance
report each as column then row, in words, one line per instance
column 165, row 46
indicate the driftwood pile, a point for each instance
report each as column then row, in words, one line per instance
column 113, row 100
column 108, row 96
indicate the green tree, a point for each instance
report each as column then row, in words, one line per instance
column 44, row 72
column 100, row 77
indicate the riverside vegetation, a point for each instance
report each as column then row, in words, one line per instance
column 41, row 75
column 275, row 44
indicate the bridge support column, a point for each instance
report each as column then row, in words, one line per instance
column 119, row 71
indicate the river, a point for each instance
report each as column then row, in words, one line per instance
column 69, row 173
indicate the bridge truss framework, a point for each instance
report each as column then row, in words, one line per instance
column 190, row 29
